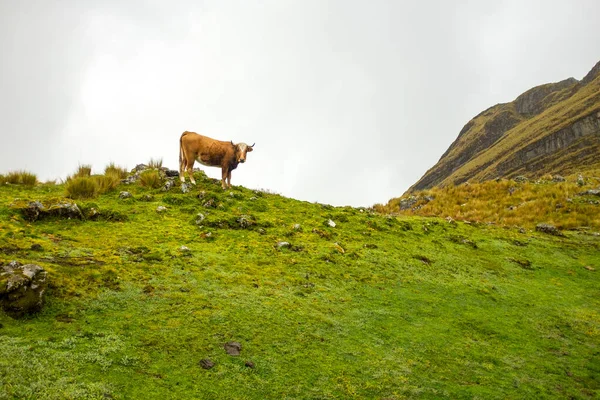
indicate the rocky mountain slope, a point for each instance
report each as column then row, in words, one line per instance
column 550, row 129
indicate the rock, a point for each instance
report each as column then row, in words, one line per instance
column 245, row 221
column 161, row 208
column 184, row 249
column 589, row 268
column 125, row 195
column 22, row 288
column 331, row 223
column 147, row 197
column 558, row 178
column 185, row 188
column 253, row 198
column 36, row 247
column 521, row 179
column 297, row 227
column 199, row 218
column 580, row 180
column 549, row 229
column 249, row 364
column 261, row 231
column 168, row 185
column 210, row 204
column 206, row 363
column 170, row 173
column 591, row 192
column 233, row 348
column 281, row 245
column 407, row 203
column 35, row 210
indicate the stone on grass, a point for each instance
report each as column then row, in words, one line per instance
column 331, row 223
column 185, row 188
column 206, row 363
column 125, row 195
column 233, row 348
column 161, row 208
column 549, row 229
column 22, row 288
column 281, row 245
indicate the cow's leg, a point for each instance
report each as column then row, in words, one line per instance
column 190, row 170
column 224, row 174
column 229, row 179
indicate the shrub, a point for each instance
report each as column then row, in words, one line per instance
column 112, row 169
column 21, row 178
column 105, row 183
column 155, row 164
column 84, row 170
column 81, row 188
column 151, row 179
column 2, row 180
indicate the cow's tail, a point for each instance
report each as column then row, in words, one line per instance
column 182, row 158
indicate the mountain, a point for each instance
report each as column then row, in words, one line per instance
column 550, row 129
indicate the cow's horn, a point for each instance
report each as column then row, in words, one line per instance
column 253, row 144
column 232, row 143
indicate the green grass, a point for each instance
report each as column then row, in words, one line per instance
column 377, row 307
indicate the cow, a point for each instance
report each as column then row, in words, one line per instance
column 212, row 153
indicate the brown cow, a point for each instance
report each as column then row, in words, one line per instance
column 212, row 153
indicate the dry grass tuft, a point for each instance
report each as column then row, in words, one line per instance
column 83, row 187
column 20, row 178
column 151, row 179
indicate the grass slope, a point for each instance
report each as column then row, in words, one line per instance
column 567, row 205
column 375, row 307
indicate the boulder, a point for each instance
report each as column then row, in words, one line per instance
column 62, row 208
column 22, row 288
column 549, row 229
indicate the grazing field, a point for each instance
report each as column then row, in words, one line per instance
column 143, row 299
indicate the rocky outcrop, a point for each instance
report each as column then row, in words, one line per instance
column 22, row 288
column 552, row 144
column 536, row 100
column 35, row 210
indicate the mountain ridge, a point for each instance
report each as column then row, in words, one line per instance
column 550, row 128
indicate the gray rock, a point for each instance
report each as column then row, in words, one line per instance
column 185, row 188
column 591, row 192
column 125, row 195
column 63, row 208
column 282, row 245
column 549, row 229
column 170, row 173
column 521, row 178
column 297, row 227
column 199, row 218
column 233, row 348
column 558, row 178
column 207, row 363
column 184, row 249
column 580, row 180
column 168, row 185
column 22, row 288
column 331, row 223
column 245, row 221
column 161, row 208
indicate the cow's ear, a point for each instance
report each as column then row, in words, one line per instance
column 249, row 148
column 232, row 143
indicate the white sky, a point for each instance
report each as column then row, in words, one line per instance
column 349, row 102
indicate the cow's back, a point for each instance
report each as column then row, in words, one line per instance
column 207, row 151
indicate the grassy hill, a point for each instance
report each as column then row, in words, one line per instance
column 376, row 306
column 550, row 129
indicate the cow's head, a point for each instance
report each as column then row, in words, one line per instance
column 240, row 151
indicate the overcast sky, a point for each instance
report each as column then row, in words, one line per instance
column 349, row 102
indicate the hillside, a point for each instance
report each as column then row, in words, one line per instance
column 322, row 302
column 550, row 129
